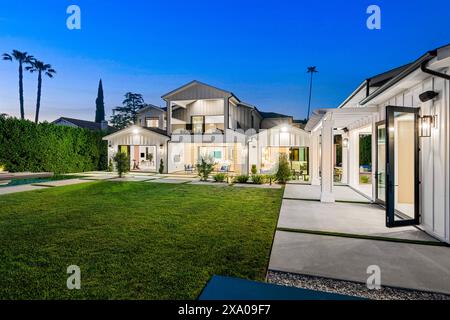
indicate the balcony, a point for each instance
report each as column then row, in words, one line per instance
column 206, row 128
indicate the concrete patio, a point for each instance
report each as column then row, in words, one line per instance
column 349, row 218
column 340, row 240
column 403, row 265
column 309, row 192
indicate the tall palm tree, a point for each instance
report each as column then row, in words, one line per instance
column 40, row 67
column 22, row 58
column 311, row 70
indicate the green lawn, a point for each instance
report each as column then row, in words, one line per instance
column 133, row 240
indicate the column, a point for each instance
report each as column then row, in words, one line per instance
column 314, row 161
column 226, row 111
column 327, row 160
column 169, row 118
column 344, row 159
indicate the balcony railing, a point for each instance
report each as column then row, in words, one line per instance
column 208, row 128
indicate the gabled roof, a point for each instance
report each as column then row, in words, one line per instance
column 157, row 130
column 380, row 79
column 151, row 106
column 90, row 125
column 407, row 70
column 201, row 84
column 130, row 129
column 267, row 115
column 385, row 80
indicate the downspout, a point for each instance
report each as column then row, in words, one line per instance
column 423, row 67
column 367, row 87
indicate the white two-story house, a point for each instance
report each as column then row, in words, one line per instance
column 200, row 120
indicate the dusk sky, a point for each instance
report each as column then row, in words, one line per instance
column 259, row 50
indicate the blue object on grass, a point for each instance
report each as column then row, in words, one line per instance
column 228, row 288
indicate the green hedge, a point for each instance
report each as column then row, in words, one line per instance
column 25, row 146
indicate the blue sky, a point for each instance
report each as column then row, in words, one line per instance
column 258, row 49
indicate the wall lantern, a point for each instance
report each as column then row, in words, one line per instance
column 345, row 143
column 161, row 147
column 135, row 131
column 425, row 124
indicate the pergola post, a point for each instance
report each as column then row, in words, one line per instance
column 327, row 160
column 344, row 159
column 314, row 154
column 169, row 118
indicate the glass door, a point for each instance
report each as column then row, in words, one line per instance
column 380, row 165
column 402, row 166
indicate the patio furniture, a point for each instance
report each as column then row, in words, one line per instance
column 224, row 169
column 189, row 168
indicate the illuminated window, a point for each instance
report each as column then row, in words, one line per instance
column 152, row 122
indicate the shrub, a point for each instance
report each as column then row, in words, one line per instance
column 205, row 167
column 220, row 177
column 364, row 179
column 122, row 162
column 269, row 178
column 161, row 166
column 254, row 169
column 243, row 178
column 258, row 179
column 26, row 146
column 110, row 166
column 284, row 172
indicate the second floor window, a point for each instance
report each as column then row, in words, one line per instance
column 198, row 124
column 152, row 122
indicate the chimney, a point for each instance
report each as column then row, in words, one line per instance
column 104, row 125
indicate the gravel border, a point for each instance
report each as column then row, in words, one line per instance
column 349, row 288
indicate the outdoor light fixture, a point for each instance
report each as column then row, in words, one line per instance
column 425, row 124
column 428, row 95
column 345, row 143
column 135, row 131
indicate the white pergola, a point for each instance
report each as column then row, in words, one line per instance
column 322, row 126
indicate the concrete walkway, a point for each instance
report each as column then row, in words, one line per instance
column 61, row 183
column 16, row 189
column 411, row 266
column 309, row 192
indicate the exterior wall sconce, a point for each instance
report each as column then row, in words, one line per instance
column 345, row 143
column 425, row 125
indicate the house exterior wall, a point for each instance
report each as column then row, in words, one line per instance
column 152, row 113
column 434, row 156
column 279, row 136
column 141, row 138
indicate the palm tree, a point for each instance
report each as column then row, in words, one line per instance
column 311, row 70
column 22, row 58
column 40, row 67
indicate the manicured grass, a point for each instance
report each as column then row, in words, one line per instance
column 133, row 240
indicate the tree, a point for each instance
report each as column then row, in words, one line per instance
column 283, row 173
column 311, row 70
column 127, row 114
column 122, row 163
column 40, row 67
column 161, row 166
column 22, row 58
column 100, row 104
